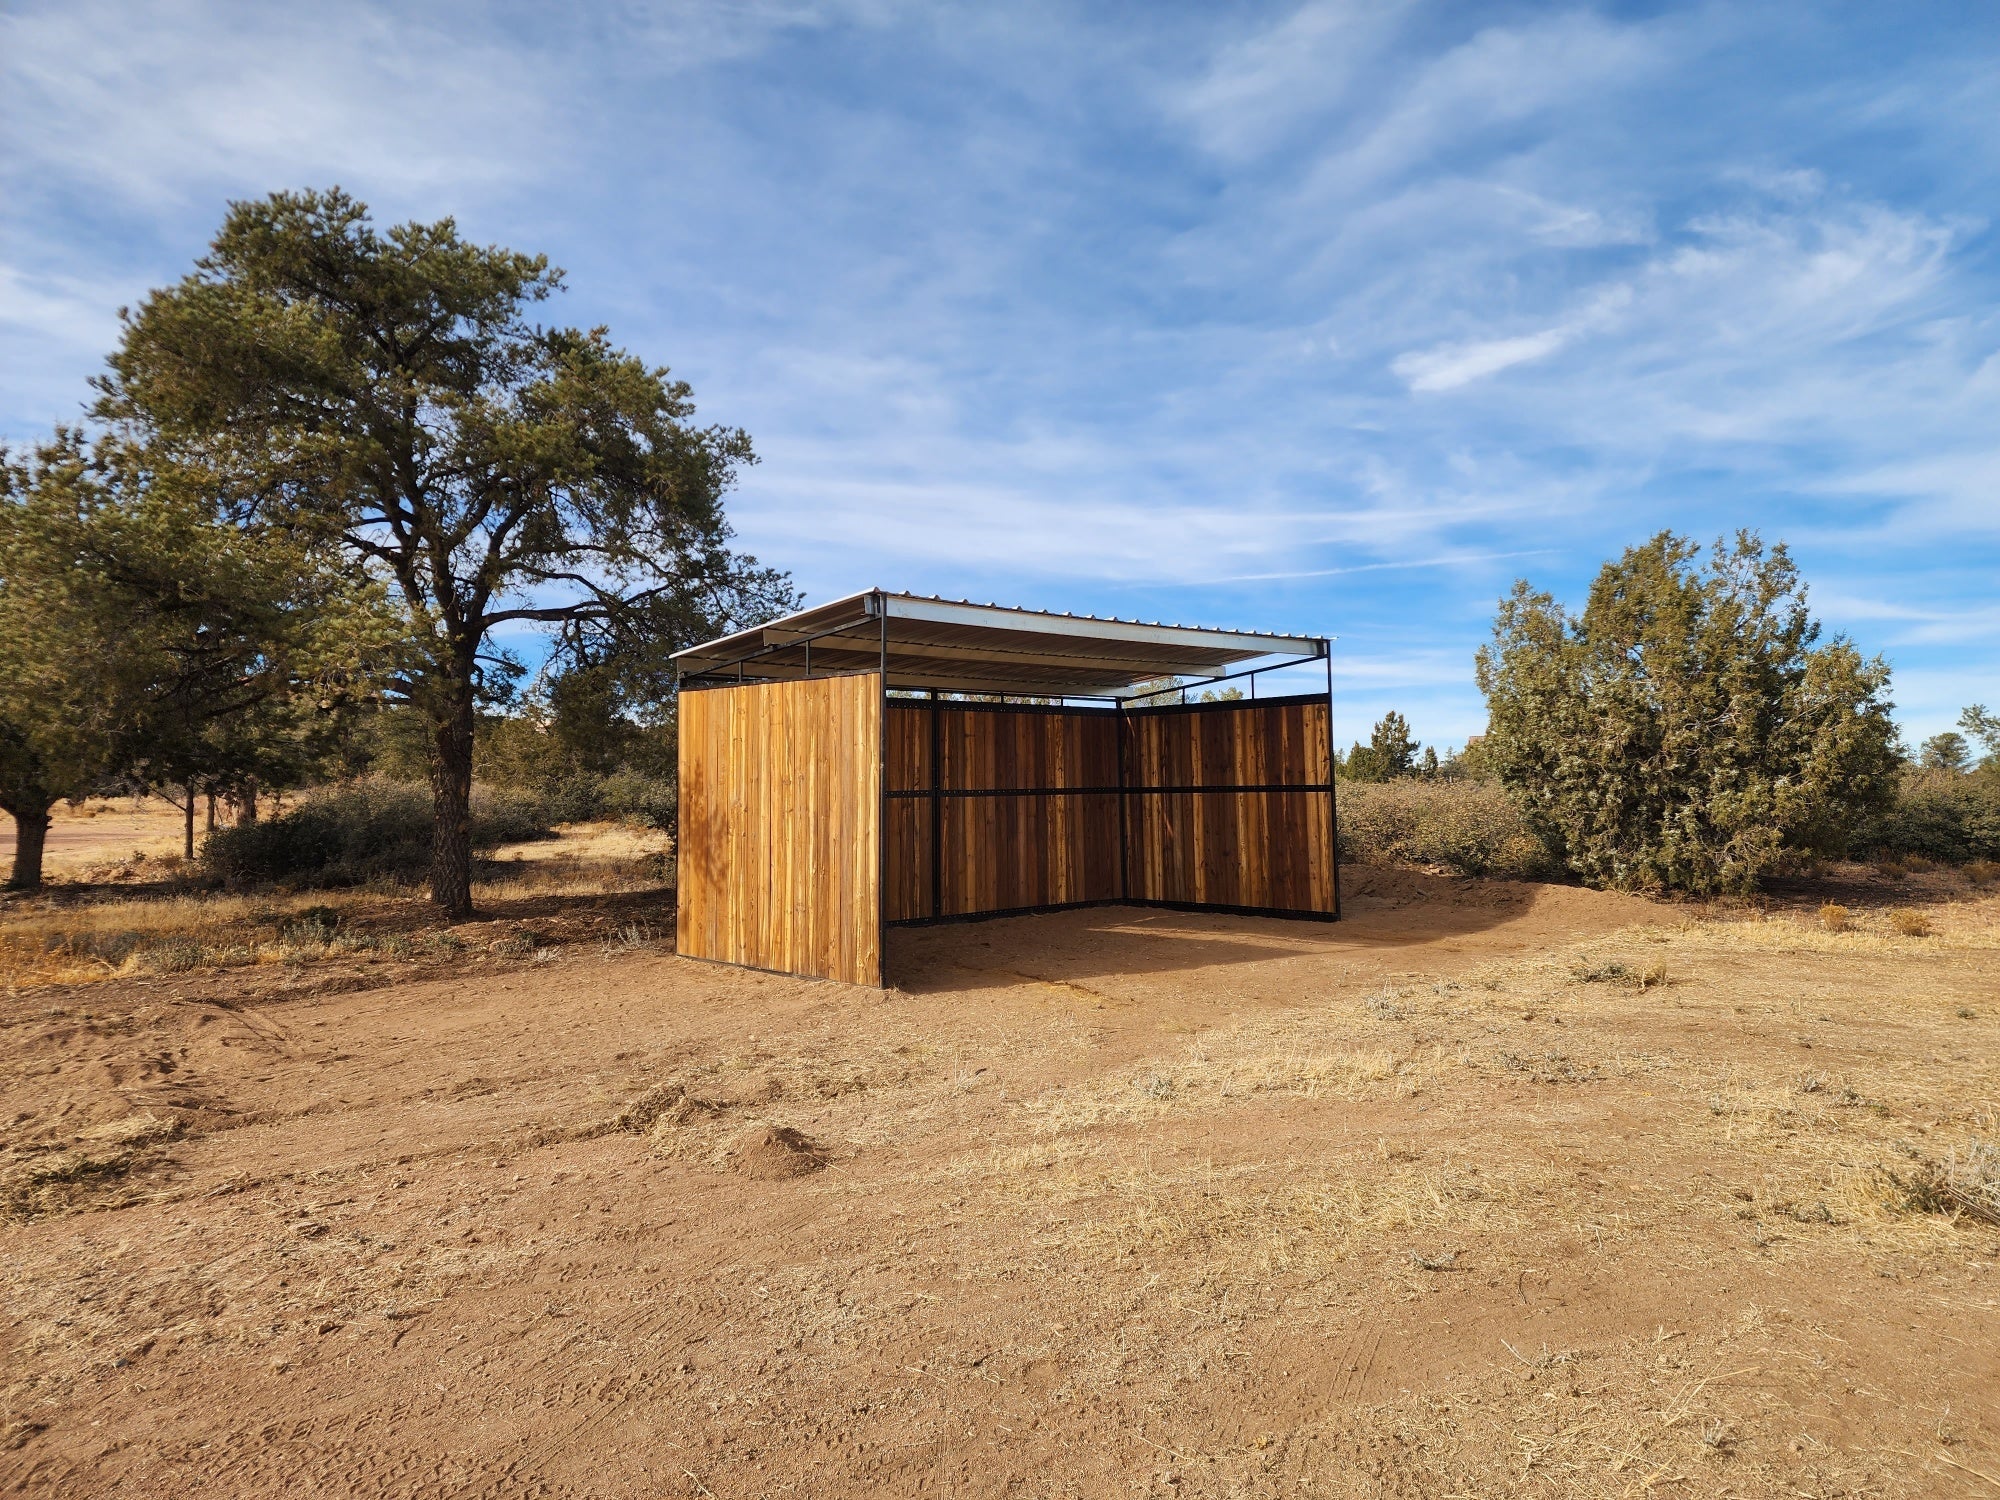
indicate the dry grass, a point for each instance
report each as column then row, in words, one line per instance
column 1962, row 925
column 57, row 939
column 1638, row 1214
column 1813, row 1149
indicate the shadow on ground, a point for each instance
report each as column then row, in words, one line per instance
column 1381, row 909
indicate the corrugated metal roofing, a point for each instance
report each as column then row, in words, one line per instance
column 956, row 645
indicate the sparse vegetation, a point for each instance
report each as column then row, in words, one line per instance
column 1961, row 1185
column 363, row 831
column 1467, row 827
column 1410, row 1129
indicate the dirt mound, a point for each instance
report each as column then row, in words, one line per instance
column 771, row 1153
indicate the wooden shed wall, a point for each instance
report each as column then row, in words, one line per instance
column 1021, row 808
column 1267, row 842
column 780, row 826
column 1055, row 846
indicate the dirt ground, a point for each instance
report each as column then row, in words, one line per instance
column 1489, row 1190
column 106, row 828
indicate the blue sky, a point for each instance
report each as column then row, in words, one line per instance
column 1328, row 317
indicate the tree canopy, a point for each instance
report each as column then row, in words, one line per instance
column 146, row 638
column 1391, row 752
column 388, row 392
column 1689, row 727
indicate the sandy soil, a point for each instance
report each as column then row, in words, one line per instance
column 1489, row 1190
column 105, row 829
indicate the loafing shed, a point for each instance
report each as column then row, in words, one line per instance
column 889, row 759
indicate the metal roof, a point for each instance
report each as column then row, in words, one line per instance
column 961, row 647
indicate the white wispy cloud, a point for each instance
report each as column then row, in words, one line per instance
column 1339, row 311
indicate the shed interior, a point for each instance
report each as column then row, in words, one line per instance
column 836, row 781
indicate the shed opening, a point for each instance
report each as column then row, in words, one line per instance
column 890, row 759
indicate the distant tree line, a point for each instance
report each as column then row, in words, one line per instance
column 324, row 470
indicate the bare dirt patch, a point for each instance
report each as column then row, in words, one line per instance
column 1492, row 1189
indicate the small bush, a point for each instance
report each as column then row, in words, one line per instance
column 1982, row 872
column 1910, row 923
column 505, row 817
column 649, row 801
column 1470, row 827
column 626, row 796
column 1834, row 917
column 365, row 830
column 573, row 799
column 1947, row 816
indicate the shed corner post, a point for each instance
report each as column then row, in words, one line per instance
column 880, row 604
column 1332, row 779
column 680, row 782
column 1124, row 795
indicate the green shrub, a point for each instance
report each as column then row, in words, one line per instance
column 1470, row 827
column 506, row 817
column 1942, row 815
column 361, row 831
column 1690, row 729
column 649, row 801
column 573, row 799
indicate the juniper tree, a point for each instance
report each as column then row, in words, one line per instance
column 390, row 392
column 1390, row 753
column 1945, row 752
column 67, row 694
column 1689, row 726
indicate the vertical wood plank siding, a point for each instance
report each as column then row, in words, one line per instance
column 1270, row 849
column 1005, row 852
column 780, row 824
column 1004, row 847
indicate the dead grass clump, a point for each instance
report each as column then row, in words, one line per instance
column 1910, row 923
column 1958, row 1187
column 44, row 1184
column 1982, row 872
column 1551, row 1067
column 1386, row 1005
column 1629, row 976
column 1835, row 918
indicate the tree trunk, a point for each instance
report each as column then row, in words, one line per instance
column 246, row 807
column 187, row 849
column 31, row 836
column 211, row 809
column 451, row 796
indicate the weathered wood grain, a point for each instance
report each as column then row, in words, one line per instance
column 780, row 826
column 1020, row 808
column 1271, row 849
